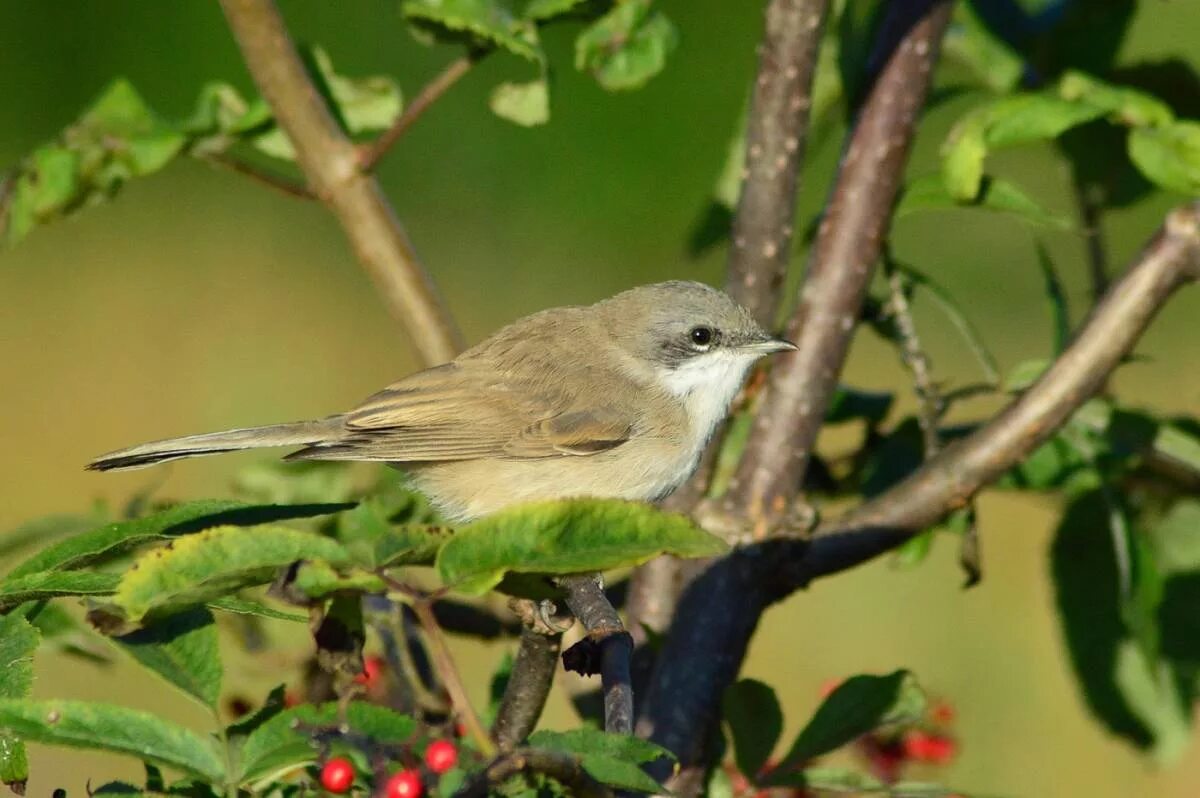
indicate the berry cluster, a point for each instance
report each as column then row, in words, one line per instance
column 337, row 775
column 928, row 742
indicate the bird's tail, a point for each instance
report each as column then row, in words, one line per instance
column 300, row 433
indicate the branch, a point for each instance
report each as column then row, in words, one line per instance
column 371, row 154
column 525, row 695
column 949, row 480
column 329, row 161
column 683, row 702
column 606, row 650
column 281, row 183
column 776, row 130
column 563, row 768
column 801, row 383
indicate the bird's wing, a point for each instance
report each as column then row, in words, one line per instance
column 461, row 412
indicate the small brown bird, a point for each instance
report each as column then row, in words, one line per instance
column 612, row 400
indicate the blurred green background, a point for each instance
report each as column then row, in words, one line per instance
column 199, row 300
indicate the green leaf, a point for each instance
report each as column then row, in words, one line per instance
column 49, row 584
column 241, row 606
column 197, row 568
column 993, row 62
column 364, row 104
column 117, row 538
column 376, row 542
column 542, row 10
column 627, row 46
column 274, row 704
column 18, row 642
column 609, row 758
column 858, row 706
column 755, row 720
column 1025, row 374
column 566, row 537
column 929, row 193
column 220, row 108
column 1008, row 121
column 1176, row 537
column 103, row 727
column 476, row 22
column 319, row 579
column 183, row 650
column 1128, row 106
column 1059, row 312
column 47, row 528
column 1169, row 156
column 525, row 104
column 278, row 743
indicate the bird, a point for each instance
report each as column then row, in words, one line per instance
column 614, row 400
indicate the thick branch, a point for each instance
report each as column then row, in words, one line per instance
column 775, row 135
column 607, row 649
column 528, row 686
column 563, row 768
column 683, row 701
column 372, row 153
column 949, row 480
column 776, row 132
column 330, row 164
column 801, row 384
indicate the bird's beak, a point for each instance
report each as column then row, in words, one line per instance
column 769, row 346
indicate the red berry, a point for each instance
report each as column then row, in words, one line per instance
column 931, row 748
column 371, row 672
column 337, row 775
column 441, row 755
column 291, row 699
column 405, row 784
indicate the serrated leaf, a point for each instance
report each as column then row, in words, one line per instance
column 542, row 10
column 525, row 104
column 18, row 642
column 200, row 567
column 755, row 719
column 858, row 706
column 183, row 650
column 929, row 193
column 241, row 606
column 49, row 584
column 1169, row 156
column 1129, row 106
column 488, row 21
column 121, row 536
column 279, row 742
column 566, row 537
column 103, row 727
column 612, row 759
column 627, row 46
column 376, row 542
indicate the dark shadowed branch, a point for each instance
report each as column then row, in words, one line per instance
column 330, row 163
column 849, row 242
column 525, row 696
column 683, row 700
column 563, row 768
column 371, row 154
column 606, row 650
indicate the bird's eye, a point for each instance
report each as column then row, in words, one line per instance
column 701, row 336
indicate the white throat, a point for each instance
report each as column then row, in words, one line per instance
column 707, row 385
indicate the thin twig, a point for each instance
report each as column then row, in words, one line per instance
column 801, row 383
column 914, row 357
column 372, row 153
column 281, row 183
column 606, row 650
column 564, row 768
column 528, row 686
column 451, row 678
column 329, row 161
